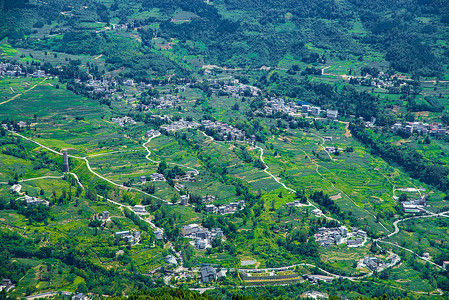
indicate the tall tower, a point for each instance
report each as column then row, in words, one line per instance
column 65, row 162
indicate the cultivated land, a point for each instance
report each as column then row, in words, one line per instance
column 360, row 184
column 210, row 95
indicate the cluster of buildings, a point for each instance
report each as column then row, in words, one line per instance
column 240, row 89
column 225, row 209
column 434, row 129
column 295, row 203
column 99, row 86
column 226, row 131
column 332, row 150
column 208, row 199
column 202, row 237
column 79, row 296
column 157, row 177
column 152, row 132
column 377, row 264
column 278, row 105
column 373, row 263
column 12, row 70
column 181, row 124
column 129, row 237
column 414, row 206
column 303, row 109
column 189, row 176
column 123, row 26
column 121, row 121
column 340, row 235
column 166, row 101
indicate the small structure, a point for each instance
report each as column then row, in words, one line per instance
column 221, row 273
column 121, row 234
column 184, row 200
column 105, row 215
column 190, row 229
column 208, row 274
column 314, row 110
column 15, row 188
column 445, row 265
column 210, row 208
column 314, row 279
column 170, row 259
column 157, row 177
column 357, row 242
column 65, row 162
column 332, row 114
column 158, row 233
column 139, row 209
column 209, row 198
column 371, row 263
column 6, row 284
column 35, row 201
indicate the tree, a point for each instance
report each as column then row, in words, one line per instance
column 82, row 288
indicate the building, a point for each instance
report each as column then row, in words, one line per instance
column 35, row 201
column 216, row 233
column 332, row 114
column 157, row 177
column 105, row 215
column 158, row 233
column 143, row 179
column 357, row 242
column 314, row 110
column 184, row 200
column 15, row 188
column 190, row 229
column 208, row 274
column 121, row 234
column 170, row 259
column 396, row 127
column 65, row 162
column 305, row 108
column 343, row 231
column 446, row 265
column 79, row 296
column 203, row 234
column 371, row 263
column 6, row 283
column 139, row 209
column 200, row 243
column 209, row 198
column 210, row 208
column 314, row 279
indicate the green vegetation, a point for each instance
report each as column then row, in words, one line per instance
column 123, row 78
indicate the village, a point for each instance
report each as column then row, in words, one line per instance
column 340, row 235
